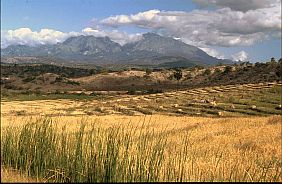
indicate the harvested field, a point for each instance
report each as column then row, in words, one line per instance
column 175, row 136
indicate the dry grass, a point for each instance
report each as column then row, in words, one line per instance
column 218, row 149
column 227, row 101
column 243, row 148
column 14, row 176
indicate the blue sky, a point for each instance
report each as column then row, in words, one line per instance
column 220, row 28
column 73, row 15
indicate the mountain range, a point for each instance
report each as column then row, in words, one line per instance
column 152, row 49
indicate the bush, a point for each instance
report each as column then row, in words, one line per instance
column 28, row 79
column 93, row 94
column 154, row 91
column 177, row 74
column 217, row 71
column 188, row 76
column 131, row 92
column 13, row 87
column 73, row 82
column 207, row 72
column 227, row 69
column 148, row 71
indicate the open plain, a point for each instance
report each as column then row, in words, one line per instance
column 220, row 133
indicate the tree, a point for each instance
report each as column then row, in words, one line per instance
column 227, row 69
column 279, row 69
column 207, row 72
column 177, row 75
column 217, row 71
column 272, row 59
column 148, row 71
column 189, row 76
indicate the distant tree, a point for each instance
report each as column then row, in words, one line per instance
column 92, row 71
column 279, row 69
column 104, row 71
column 189, row 76
column 217, row 71
column 272, row 59
column 227, row 69
column 148, row 71
column 177, row 75
column 207, row 72
column 199, row 67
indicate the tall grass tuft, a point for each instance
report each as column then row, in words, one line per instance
column 116, row 154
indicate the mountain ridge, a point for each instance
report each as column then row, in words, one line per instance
column 102, row 50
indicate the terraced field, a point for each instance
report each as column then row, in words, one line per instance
column 228, row 101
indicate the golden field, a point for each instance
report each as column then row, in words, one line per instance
column 216, row 149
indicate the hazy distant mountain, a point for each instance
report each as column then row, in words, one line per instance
column 151, row 49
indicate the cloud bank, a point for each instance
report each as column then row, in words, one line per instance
column 120, row 37
column 240, row 56
column 223, row 27
column 238, row 5
column 25, row 36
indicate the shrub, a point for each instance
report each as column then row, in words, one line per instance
column 72, row 82
column 28, row 79
column 154, row 91
column 131, row 92
column 227, row 69
column 207, row 72
column 177, row 74
column 217, row 71
column 13, row 87
column 148, row 71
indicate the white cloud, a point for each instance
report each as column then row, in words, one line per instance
column 240, row 56
column 142, row 18
column 25, row 36
column 238, row 5
column 213, row 52
column 222, row 27
column 115, row 35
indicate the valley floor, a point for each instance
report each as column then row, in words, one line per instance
column 219, row 101
column 242, row 143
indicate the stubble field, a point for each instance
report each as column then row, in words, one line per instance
column 179, row 138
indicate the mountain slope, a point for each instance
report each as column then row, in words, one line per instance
column 102, row 50
column 170, row 47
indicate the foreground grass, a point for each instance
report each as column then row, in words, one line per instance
column 203, row 150
column 9, row 175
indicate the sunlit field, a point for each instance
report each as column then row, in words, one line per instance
column 143, row 148
column 116, row 139
column 124, row 91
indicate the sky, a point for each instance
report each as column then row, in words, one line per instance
column 246, row 30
